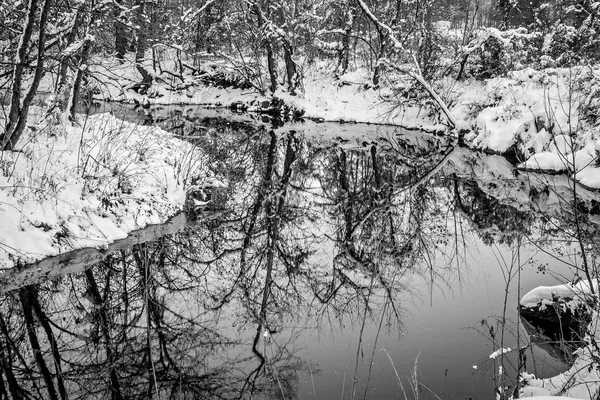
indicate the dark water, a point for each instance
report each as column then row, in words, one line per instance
column 340, row 261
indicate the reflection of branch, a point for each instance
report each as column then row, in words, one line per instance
column 422, row 180
column 7, row 366
column 100, row 310
column 432, row 171
column 274, row 215
column 331, row 292
column 256, row 208
column 13, row 385
column 360, row 337
column 26, row 295
column 253, row 376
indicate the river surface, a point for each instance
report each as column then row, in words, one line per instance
column 337, row 261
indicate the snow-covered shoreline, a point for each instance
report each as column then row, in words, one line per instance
column 547, row 116
column 536, row 111
column 87, row 185
column 69, row 187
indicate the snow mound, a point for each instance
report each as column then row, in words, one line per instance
column 545, row 161
column 589, row 177
column 562, row 144
column 544, row 295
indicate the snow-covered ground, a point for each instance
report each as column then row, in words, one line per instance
column 87, row 185
column 548, row 116
column 69, row 187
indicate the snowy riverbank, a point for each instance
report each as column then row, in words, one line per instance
column 548, row 117
column 88, row 185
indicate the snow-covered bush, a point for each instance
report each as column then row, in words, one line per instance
column 560, row 45
column 568, row 44
column 589, row 34
column 501, row 51
column 590, row 107
column 491, row 59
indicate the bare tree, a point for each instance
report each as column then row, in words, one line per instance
column 19, row 109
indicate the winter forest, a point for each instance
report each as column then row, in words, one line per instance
column 299, row 199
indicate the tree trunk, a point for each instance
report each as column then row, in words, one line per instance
column 74, row 97
column 291, row 68
column 141, row 45
column 198, row 42
column 17, row 117
column 426, row 50
column 64, row 62
column 120, row 33
column 380, row 55
column 271, row 65
column 344, row 52
column 81, row 67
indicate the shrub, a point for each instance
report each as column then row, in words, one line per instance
column 503, row 51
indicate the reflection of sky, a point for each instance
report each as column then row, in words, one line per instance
column 438, row 328
column 437, row 334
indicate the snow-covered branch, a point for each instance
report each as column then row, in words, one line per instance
column 416, row 75
column 385, row 28
column 322, row 32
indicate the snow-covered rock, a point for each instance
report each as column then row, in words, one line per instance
column 582, row 380
column 544, row 162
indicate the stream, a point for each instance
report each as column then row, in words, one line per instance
column 341, row 261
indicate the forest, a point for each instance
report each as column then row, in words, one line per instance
column 270, row 46
column 240, row 199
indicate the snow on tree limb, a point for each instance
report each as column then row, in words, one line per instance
column 386, row 28
column 419, row 78
column 417, row 75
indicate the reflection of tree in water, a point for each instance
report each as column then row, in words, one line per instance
column 111, row 332
column 495, row 222
column 311, row 232
column 379, row 214
column 156, row 319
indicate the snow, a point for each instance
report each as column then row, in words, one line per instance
column 497, row 132
column 545, row 161
column 534, row 111
column 581, row 164
column 87, row 186
column 582, row 380
column 499, row 352
column 549, row 398
column 544, row 295
column 589, row 176
column 562, row 144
